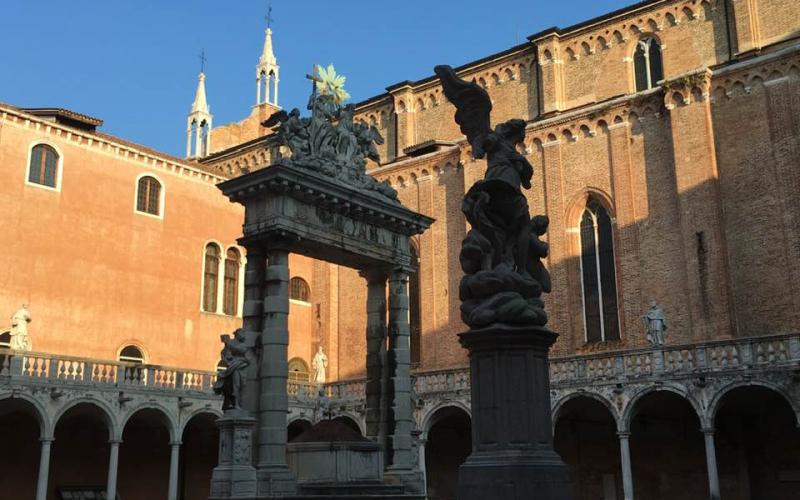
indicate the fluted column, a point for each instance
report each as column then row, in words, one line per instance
column 113, row 465
column 175, row 448
column 711, row 464
column 44, row 468
column 625, row 455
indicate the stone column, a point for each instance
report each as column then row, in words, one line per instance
column 252, row 317
column 274, row 477
column 113, row 464
column 375, row 389
column 44, row 469
column 625, row 457
column 258, row 89
column 423, row 440
column 711, row 464
column 400, row 420
column 512, row 438
column 175, row 448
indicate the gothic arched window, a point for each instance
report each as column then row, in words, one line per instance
column 299, row 290
column 598, row 274
column 230, row 297
column 211, row 277
column 647, row 64
column 413, row 309
column 43, row 168
column 148, row 196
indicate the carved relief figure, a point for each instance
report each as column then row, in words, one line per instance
column 230, row 383
column 20, row 341
column 655, row 325
column 319, row 364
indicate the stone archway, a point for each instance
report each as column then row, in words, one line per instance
column 296, row 427
column 667, row 448
column 585, row 437
column 21, row 427
column 198, row 456
column 80, row 453
column 449, row 443
column 757, row 442
column 145, row 452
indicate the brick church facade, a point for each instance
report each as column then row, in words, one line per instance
column 665, row 139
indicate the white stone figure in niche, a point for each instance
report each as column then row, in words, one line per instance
column 655, row 325
column 20, row 341
column 319, row 364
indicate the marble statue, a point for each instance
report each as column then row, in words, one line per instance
column 319, row 364
column 20, row 341
column 230, row 383
column 322, row 407
column 655, row 325
column 502, row 254
column 330, row 141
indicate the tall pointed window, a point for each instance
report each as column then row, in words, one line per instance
column 414, row 309
column 148, row 196
column 598, row 275
column 211, row 277
column 647, row 64
column 230, row 298
column 43, row 168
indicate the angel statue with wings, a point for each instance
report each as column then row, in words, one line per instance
column 501, row 255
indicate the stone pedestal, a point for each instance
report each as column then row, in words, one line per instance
column 512, row 452
column 235, row 476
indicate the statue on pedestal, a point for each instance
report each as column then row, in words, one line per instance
column 319, row 364
column 655, row 325
column 20, row 341
column 230, row 383
column 502, row 253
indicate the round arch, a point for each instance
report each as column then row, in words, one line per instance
column 630, row 409
column 214, row 412
column 716, row 401
column 106, row 412
column 37, row 411
column 132, row 343
column 440, row 411
column 59, row 164
column 162, row 195
column 350, row 420
column 168, row 419
column 561, row 403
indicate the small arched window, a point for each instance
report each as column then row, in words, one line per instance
column 43, row 168
column 598, row 274
column 148, row 196
column 647, row 64
column 298, row 370
column 299, row 290
column 230, row 299
column 131, row 354
column 211, row 277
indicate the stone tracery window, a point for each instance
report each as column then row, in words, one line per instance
column 647, row 64
column 43, row 168
column 299, row 289
column 148, row 196
column 598, row 274
column 211, row 277
column 230, row 298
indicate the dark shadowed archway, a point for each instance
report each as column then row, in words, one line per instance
column 758, row 445
column 144, row 453
column 297, row 427
column 198, row 456
column 20, row 430
column 667, row 449
column 586, row 438
column 448, row 445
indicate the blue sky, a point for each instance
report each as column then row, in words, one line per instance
column 134, row 63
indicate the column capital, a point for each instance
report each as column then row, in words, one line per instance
column 708, row 431
column 374, row 276
column 624, row 434
column 114, row 441
column 176, row 443
column 48, row 439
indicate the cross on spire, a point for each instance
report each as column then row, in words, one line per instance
column 203, row 59
column 269, row 17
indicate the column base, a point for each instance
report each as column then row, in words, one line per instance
column 276, row 482
column 235, row 476
column 411, row 479
column 509, row 476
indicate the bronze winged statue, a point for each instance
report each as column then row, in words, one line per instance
column 501, row 255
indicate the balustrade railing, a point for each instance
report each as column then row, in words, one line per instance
column 704, row 357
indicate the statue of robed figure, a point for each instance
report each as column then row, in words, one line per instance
column 230, row 383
